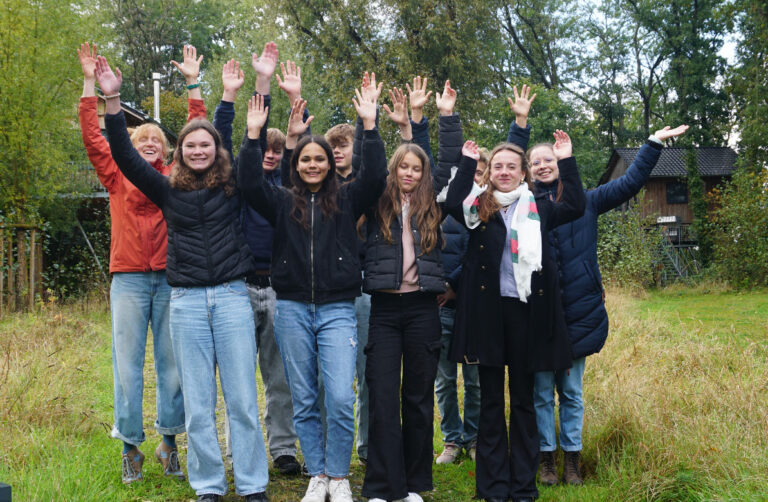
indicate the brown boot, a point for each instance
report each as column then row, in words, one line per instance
column 547, row 469
column 571, row 471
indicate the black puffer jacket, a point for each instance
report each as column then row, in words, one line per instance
column 319, row 264
column 205, row 240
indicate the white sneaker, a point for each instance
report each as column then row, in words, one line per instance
column 376, row 500
column 317, row 491
column 413, row 497
column 340, row 491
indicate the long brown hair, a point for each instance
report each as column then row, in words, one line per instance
column 559, row 192
column 219, row 174
column 422, row 209
column 487, row 204
column 328, row 188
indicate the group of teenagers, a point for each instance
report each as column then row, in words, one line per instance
column 330, row 264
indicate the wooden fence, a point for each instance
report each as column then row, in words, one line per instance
column 21, row 266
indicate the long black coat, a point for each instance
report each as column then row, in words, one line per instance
column 478, row 330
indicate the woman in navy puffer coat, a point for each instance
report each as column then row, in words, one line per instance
column 575, row 249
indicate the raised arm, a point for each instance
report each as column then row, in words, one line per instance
column 153, row 184
column 620, row 190
column 461, row 185
column 399, row 113
column 519, row 130
column 373, row 90
column 96, row 145
column 190, row 68
column 232, row 79
column 450, row 135
column 418, row 97
column 369, row 183
column 262, row 196
column 573, row 201
column 296, row 127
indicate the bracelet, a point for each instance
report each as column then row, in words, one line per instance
column 111, row 96
column 192, row 86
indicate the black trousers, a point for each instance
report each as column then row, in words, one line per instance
column 403, row 327
column 507, row 461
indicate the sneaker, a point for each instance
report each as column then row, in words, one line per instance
column 169, row 459
column 304, row 470
column 472, row 450
column 317, row 490
column 362, row 461
column 287, row 464
column 256, row 497
column 339, row 490
column 571, row 471
column 132, row 464
column 547, row 469
column 450, row 453
column 413, row 497
column 209, row 497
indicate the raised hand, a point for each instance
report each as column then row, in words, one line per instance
column 418, row 96
column 399, row 114
column 365, row 104
column 563, row 147
column 232, row 78
column 521, row 106
column 87, row 56
column 265, row 64
column 470, row 150
column 296, row 124
column 257, row 116
column 369, row 88
column 447, row 100
column 109, row 81
column 666, row 133
column 190, row 66
column 291, row 81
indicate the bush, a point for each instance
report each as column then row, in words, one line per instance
column 627, row 248
column 739, row 229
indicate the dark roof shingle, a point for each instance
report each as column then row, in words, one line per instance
column 713, row 161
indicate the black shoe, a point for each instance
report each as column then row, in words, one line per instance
column 256, row 497
column 286, row 464
column 304, row 470
column 209, row 497
column 495, row 499
column 523, row 500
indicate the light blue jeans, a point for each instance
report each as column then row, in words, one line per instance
column 571, row 407
column 213, row 327
column 136, row 300
column 462, row 434
column 325, row 335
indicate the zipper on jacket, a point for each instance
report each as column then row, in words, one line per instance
column 209, row 263
column 312, row 245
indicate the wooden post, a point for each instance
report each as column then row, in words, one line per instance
column 21, row 257
column 32, row 267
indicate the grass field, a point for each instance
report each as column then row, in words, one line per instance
column 676, row 407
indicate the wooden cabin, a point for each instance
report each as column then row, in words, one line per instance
column 666, row 192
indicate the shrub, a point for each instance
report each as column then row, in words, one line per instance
column 739, row 229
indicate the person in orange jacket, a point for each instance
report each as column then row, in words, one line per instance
column 139, row 294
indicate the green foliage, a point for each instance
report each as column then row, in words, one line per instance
column 37, row 88
column 627, row 248
column 698, row 205
column 173, row 109
column 739, row 229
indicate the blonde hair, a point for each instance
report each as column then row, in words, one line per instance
column 150, row 129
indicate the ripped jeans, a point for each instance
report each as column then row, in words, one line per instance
column 312, row 338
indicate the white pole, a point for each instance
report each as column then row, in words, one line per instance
column 156, row 77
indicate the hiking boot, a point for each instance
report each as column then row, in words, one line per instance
column 317, row 491
column 472, row 450
column 168, row 457
column 571, row 471
column 287, row 464
column 547, row 469
column 339, row 490
column 450, row 453
column 132, row 464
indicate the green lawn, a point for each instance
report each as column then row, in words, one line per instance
column 676, row 407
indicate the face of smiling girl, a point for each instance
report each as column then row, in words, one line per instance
column 506, row 170
column 198, row 150
column 313, row 166
column 409, row 172
column 544, row 164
